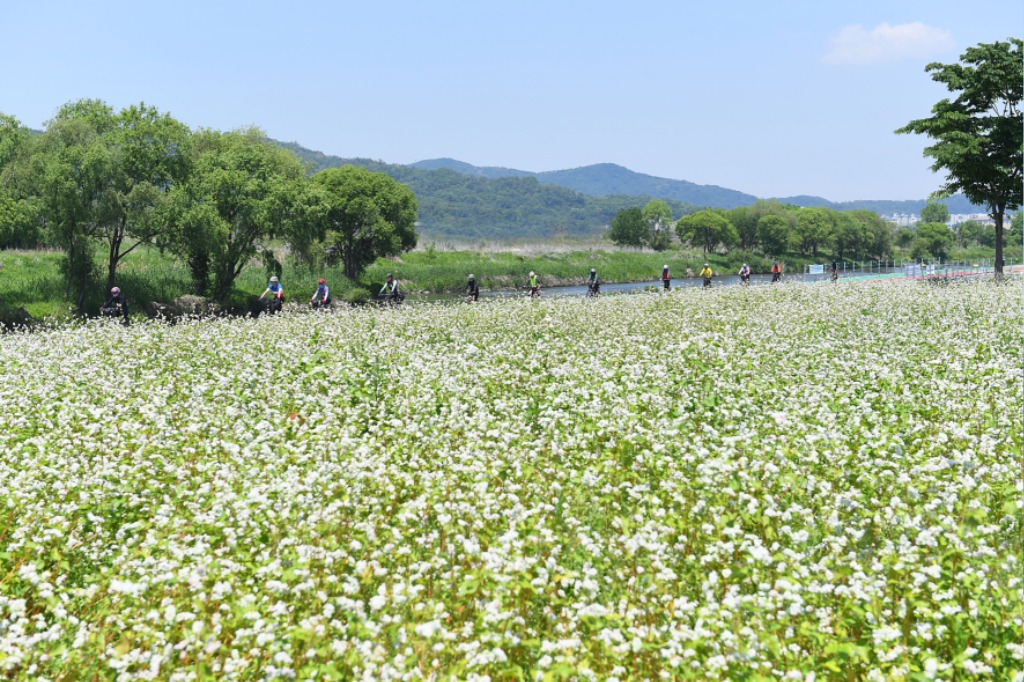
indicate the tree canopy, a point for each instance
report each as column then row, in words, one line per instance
column 978, row 135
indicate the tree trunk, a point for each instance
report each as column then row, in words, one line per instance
column 997, row 215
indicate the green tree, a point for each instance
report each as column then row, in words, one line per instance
column 708, row 229
column 658, row 215
column 773, row 234
column 878, row 234
column 19, row 223
column 935, row 212
column 362, row 214
column 69, row 168
column 242, row 192
column 149, row 152
column 979, row 136
column 813, row 229
column 628, row 228
column 933, row 239
column 1015, row 235
column 848, row 236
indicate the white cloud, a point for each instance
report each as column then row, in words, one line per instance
column 886, row 43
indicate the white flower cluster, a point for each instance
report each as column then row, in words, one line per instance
column 770, row 483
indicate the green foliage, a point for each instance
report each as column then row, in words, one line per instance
column 629, row 228
column 932, row 239
column 363, row 215
column 772, row 232
column 979, row 136
column 707, row 229
column 241, row 193
column 935, row 212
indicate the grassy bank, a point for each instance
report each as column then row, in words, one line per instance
column 32, row 279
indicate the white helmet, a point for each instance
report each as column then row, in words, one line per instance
column 274, row 280
column 664, row 267
column 115, row 291
column 471, row 277
column 531, row 273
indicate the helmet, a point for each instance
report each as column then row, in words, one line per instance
column 274, row 280
column 744, row 265
column 471, row 277
column 322, row 281
column 115, row 291
column 664, row 267
column 390, row 276
column 531, row 273
column 593, row 270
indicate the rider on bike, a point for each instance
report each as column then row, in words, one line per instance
column 666, row 278
column 835, row 270
column 593, row 284
column 776, row 272
column 276, row 292
column 390, row 290
column 707, row 274
column 117, row 304
column 322, row 295
column 472, row 289
column 534, row 285
column 745, row 274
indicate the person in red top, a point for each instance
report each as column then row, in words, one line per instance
column 776, row 272
column 666, row 279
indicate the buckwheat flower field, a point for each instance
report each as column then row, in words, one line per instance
column 799, row 482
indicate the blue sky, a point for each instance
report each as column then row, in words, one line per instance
column 771, row 98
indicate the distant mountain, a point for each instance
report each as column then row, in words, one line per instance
column 604, row 179
column 460, row 199
column 511, row 205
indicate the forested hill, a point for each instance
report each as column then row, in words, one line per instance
column 475, row 206
column 605, row 179
column 460, row 199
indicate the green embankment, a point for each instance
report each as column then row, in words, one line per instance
column 32, row 279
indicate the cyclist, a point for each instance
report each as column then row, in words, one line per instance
column 472, row 290
column 276, row 292
column 322, row 295
column 835, row 270
column 776, row 272
column 390, row 291
column 593, row 284
column 666, row 278
column 745, row 275
column 117, row 305
column 707, row 274
column 534, row 285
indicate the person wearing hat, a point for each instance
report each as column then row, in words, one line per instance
column 472, row 290
column 534, row 285
column 745, row 275
column 322, row 295
column 390, row 290
column 117, row 305
column 593, row 284
column 276, row 292
column 666, row 278
column 707, row 274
